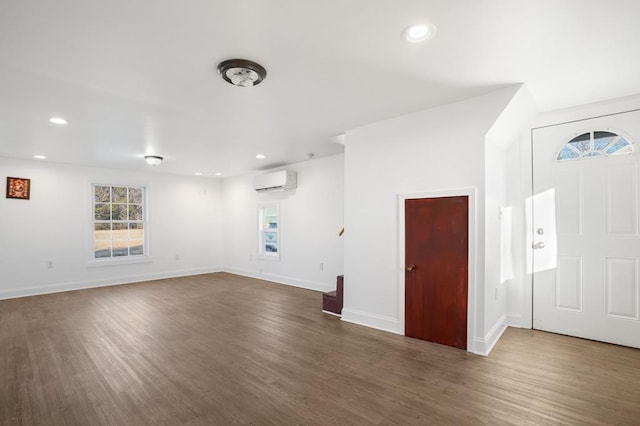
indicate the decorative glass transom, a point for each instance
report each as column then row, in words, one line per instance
column 595, row 144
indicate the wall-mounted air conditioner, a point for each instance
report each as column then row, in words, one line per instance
column 275, row 181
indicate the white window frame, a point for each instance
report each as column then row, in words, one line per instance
column 603, row 152
column 119, row 260
column 262, row 253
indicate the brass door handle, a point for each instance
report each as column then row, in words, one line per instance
column 411, row 267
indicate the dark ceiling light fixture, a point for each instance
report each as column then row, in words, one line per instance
column 242, row 72
column 153, row 160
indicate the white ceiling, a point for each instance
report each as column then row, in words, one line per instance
column 139, row 77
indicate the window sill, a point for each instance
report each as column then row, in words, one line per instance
column 97, row 263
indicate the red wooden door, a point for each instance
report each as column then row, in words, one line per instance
column 436, row 256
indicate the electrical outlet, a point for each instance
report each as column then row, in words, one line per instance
column 177, row 256
column 321, row 266
column 250, row 258
column 496, row 293
column 260, row 271
column 50, row 264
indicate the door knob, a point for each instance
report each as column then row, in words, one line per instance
column 538, row 246
column 411, row 267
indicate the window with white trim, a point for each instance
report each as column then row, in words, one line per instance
column 118, row 221
column 595, row 144
column 269, row 231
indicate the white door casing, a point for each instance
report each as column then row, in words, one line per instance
column 590, row 289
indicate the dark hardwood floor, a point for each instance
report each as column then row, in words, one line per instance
column 223, row 349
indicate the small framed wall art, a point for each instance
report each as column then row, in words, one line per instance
column 19, row 188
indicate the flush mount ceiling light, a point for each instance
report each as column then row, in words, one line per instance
column 58, row 120
column 39, row 157
column 418, row 33
column 242, row 72
column 153, row 160
column 260, row 156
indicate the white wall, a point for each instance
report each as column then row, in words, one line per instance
column 188, row 217
column 496, row 165
column 503, row 189
column 184, row 218
column 311, row 217
column 519, row 179
column 438, row 149
column 502, row 186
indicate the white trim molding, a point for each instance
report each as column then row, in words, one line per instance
column 107, row 282
column 514, row 320
column 472, row 282
column 483, row 346
column 280, row 279
column 131, row 279
column 370, row 320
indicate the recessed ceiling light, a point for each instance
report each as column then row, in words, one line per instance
column 198, row 174
column 419, row 32
column 40, row 157
column 260, row 156
column 58, row 120
column 218, row 174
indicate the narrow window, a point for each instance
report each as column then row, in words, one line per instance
column 269, row 231
column 118, row 221
column 595, row 144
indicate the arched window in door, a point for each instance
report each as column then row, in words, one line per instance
column 595, row 144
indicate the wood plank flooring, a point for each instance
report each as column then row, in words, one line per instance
column 223, row 349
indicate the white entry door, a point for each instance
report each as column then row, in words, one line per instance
column 585, row 232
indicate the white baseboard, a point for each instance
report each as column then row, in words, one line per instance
column 483, row 346
column 81, row 285
column 129, row 279
column 370, row 320
column 331, row 313
column 514, row 320
column 281, row 279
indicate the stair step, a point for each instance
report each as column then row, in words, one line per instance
column 332, row 300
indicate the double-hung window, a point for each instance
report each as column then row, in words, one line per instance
column 118, row 221
column 269, row 231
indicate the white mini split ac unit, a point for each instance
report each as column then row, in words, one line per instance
column 275, row 181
